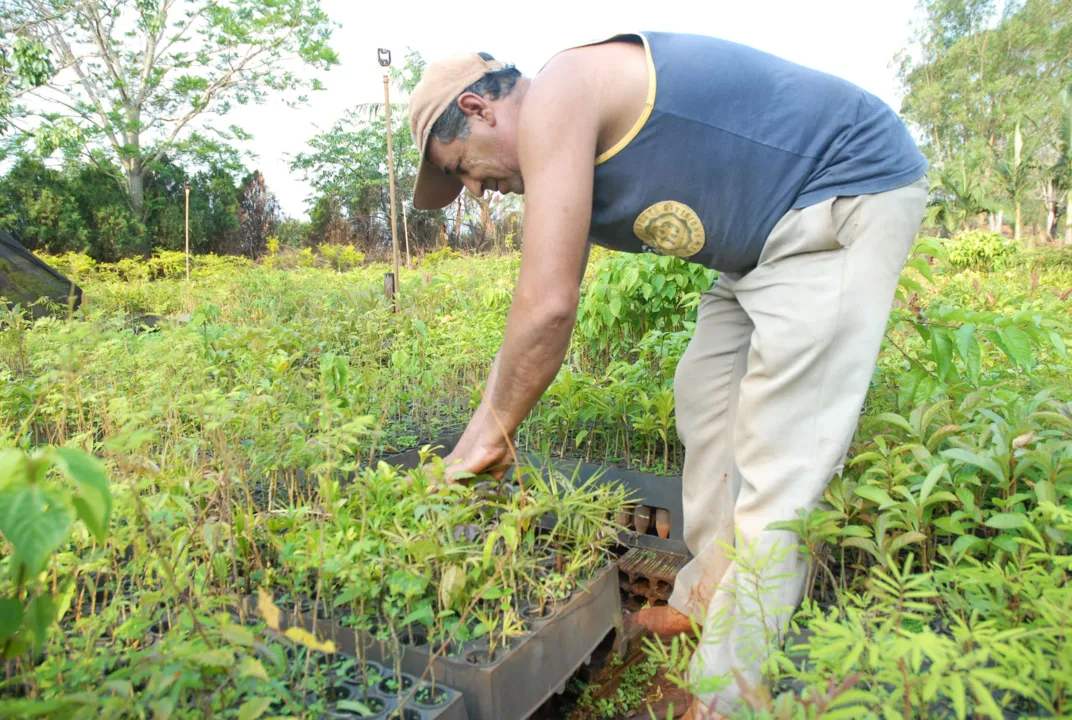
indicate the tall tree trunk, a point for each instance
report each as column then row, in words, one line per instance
column 1016, row 230
column 1068, row 221
column 1051, row 209
column 136, row 172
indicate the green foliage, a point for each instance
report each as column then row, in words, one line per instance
column 147, row 70
column 36, row 516
column 979, row 249
column 631, row 295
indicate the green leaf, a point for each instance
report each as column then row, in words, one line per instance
column 932, row 479
column 1006, row 543
column 942, row 346
column 10, row 618
column 355, row 706
column 40, row 615
column 93, row 501
column 220, row 657
column 238, row 635
column 32, row 526
column 1007, row 521
column 253, row 708
column 1017, row 345
column 252, row 667
column 969, row 350
column 957, row 695
column 985, row 700
column 907, row 538
column 14, row 468
column 983, row 463
column 1058, row 344
column 964, row 543
column 909, row 384
column 874, row 494
column 895, row 419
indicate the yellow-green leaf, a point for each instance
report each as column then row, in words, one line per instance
column 252, row 667
column 268, row 609
column 253, row 708
column 306, row 638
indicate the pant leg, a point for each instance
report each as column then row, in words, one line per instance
column 706, row 386
column 820, row 299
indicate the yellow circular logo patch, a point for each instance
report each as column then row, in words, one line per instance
column 670, row 227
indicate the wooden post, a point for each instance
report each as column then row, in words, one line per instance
column 391, row 174
column 405, row 232
column 458, row 222
column 389, row 285
column 187, row 231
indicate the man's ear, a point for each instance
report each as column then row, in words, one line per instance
column 475, row 106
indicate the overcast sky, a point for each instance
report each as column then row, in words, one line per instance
column 854, row 39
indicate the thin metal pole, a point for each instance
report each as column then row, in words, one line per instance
column 391, row 173
column 187, row 232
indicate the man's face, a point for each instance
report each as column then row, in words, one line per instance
column 487, row 158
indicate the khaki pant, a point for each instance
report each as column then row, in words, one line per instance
column 768, row 395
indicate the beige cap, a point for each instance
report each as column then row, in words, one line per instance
column 440, row 85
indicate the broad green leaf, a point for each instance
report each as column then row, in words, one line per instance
column 970, row 352
column 1044, row 491
column 220, row 657
column 964, row 543
column 253, row 708
column 932, row 479
column 32, row 526
column 355, row 706
column 14, row 468
column 875, row 494
column 252, row 667
column 238, row 635
column 895, row 419
column 10, row 618
column 983, row 463
column 40, row 614
column 907, row 391
column 93, row 501
column 1006, row 543
column 942, row 346
column 907, row 538
column 1007, row 521
column 1018, row 345
column 1058, row 344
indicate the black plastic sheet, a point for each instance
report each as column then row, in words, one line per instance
column 25, row 279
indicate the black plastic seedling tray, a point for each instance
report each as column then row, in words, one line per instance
column 517, row 679
column 656, row 491
column 370, row 683
column 445, row 703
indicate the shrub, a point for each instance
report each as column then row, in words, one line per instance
column 980, row 249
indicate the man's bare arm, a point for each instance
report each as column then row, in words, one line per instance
column 557, row 147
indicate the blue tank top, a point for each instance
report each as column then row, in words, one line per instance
column 732, row 138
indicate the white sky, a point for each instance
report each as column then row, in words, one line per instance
column 854, row 39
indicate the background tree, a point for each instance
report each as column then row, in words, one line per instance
column 258, row 215
column 138, row 75
column 977, row 71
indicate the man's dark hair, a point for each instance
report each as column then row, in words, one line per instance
column 453, row 124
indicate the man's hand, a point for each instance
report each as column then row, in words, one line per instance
column 492, row 457
column 557, row 137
